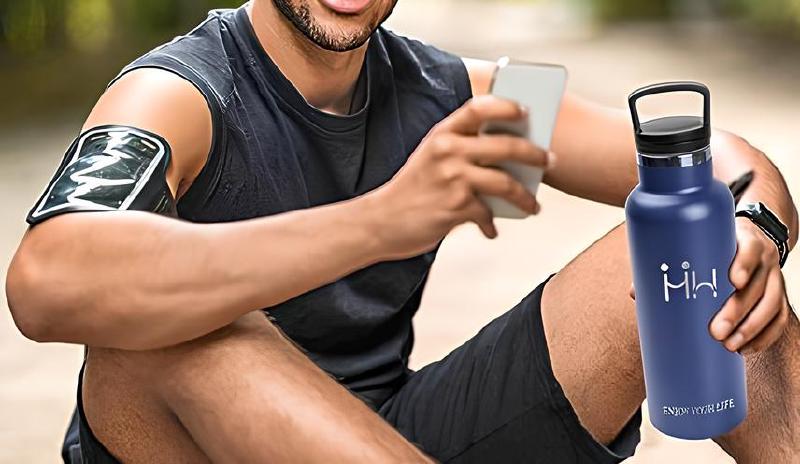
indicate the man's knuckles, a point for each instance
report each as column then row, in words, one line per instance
column 460, row 197
column 442, row 146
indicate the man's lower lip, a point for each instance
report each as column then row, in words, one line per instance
column 347, row 6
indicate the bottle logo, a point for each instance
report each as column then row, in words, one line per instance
column 690, row 288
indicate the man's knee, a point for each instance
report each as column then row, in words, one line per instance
column 770, row 431
column 167, row 367
column 590, row 327
column 123, row 388
column 127, row 395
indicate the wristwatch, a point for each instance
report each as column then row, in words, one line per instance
column 768, row 222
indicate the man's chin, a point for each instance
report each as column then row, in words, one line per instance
column 341, row 33
column 335, row 25
column 340, row 45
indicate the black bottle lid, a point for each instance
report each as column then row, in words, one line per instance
column 672, row 134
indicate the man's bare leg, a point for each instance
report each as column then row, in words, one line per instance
column 771, row 432
column 241, row 394
column 590, row 326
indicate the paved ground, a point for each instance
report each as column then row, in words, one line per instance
column 755, row 94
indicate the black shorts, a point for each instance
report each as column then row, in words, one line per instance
column 494, row 399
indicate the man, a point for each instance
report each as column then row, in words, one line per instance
column 317, row 161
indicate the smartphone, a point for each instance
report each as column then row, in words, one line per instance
column 539, row 88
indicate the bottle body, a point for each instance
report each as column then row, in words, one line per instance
column 682, row 240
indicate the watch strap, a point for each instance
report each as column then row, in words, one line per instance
column 782, row 245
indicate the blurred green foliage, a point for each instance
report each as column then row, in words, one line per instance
column 631, row 9
column 36, row 26
column 784, row 15
column 61, row 53
column 774, row 16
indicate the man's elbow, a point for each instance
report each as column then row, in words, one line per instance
column 32, row 307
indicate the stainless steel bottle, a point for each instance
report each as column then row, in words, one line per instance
column 682, row 242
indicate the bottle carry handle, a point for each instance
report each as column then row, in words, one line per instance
column 667, row 87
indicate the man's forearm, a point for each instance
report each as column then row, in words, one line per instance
column 134, row 280
column 595, row 153
column 734, row 156
column 596, row 159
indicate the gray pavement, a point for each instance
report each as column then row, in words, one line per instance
column 755, row 94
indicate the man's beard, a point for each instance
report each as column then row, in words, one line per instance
column 299, row 14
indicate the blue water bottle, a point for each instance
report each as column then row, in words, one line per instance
column 682, row 241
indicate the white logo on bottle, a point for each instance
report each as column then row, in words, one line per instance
column 689, row 291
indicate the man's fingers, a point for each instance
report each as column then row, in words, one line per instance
column 491, row 150
column 738, row 305
column 748, row 258
column 498, row 183
column 761, row 315
column 771, row 334
column 481, row 215
column 473, row 114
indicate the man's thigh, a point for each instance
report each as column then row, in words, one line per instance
column 495, row 399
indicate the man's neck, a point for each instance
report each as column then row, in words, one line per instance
column 327, row 80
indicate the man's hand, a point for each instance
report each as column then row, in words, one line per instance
column 439, row 187
column 755, row 316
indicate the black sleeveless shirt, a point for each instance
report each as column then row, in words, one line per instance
column 272, row 152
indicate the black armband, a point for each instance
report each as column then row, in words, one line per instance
column 109, row 168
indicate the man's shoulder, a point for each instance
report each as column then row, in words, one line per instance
column 199, row 56
column 424, row 66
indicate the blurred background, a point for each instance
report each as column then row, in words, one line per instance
column 56, row 57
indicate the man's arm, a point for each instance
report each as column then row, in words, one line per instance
column 595, row 144
column 136, row 280
column 595, row 159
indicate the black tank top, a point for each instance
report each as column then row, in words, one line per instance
column 272, row 152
